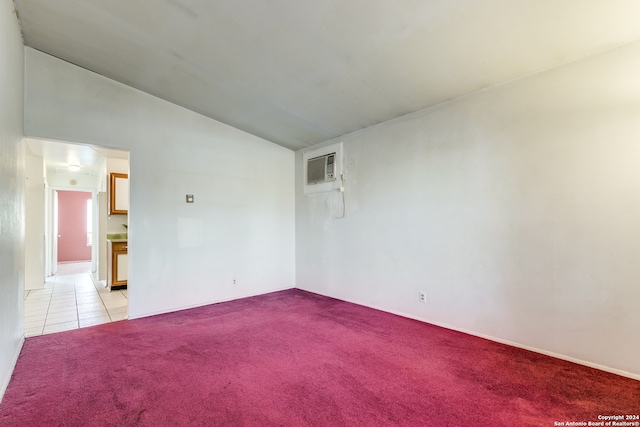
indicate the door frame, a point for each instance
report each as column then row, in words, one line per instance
column 51, row 232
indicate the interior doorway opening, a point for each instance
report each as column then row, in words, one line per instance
column 55, row 170
column 75, row 222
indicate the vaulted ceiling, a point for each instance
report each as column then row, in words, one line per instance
column 299, row 72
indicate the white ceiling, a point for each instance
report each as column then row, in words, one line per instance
column 59, row 155
column 299, row 72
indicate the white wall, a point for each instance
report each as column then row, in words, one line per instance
column 101, row 237
column 34, row 244
column 11, row 193
column 241, row 225
column 517, row 210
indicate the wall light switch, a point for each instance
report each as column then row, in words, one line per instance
column 189, row 198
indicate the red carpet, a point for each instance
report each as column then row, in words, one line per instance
column 294, row 358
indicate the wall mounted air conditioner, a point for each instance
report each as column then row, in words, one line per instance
column 321, row 167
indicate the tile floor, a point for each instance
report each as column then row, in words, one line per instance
column 71, row 300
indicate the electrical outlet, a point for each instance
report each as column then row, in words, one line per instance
column 234, row 281
column 422, row 296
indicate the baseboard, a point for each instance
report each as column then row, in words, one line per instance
column 173, row 310
column 5, row 381
column 500, row 340
column 536, row 350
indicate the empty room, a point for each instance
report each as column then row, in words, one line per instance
column 373, row 213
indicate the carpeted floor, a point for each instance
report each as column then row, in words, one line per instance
column 293, row 358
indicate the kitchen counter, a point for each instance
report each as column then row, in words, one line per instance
column 117, row 237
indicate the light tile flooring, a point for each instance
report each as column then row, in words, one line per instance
column 71, row 300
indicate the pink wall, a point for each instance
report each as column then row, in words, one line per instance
column 72, row 226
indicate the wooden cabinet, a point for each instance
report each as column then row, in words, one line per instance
column 118, row 194
column 117, row 265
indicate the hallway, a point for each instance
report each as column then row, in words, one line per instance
column 71, row 300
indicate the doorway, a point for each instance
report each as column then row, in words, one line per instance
column 75, row 171
column 75, row 226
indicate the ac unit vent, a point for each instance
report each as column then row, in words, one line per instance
column 321, row 169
